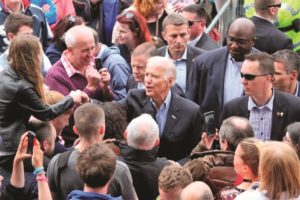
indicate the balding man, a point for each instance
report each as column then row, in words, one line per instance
column 286, row 65
column 179, row 119
column 142, row 136
column 268, row 38
column 196, row 191
column 75, row 70
column 216, row 75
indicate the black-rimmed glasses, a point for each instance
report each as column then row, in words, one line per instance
column 250, row 77
column 231, row 39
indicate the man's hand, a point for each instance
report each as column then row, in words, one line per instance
column 207, row 140
column 79, row 97
column 105, row 78
column 93, row 79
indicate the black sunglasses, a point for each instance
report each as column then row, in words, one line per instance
column 274, row 5
column 250, row 77
column 191, row 23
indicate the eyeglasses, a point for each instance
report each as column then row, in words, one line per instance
column 250, row 77
column 191, row 23
column 237, row 41
column 274, row 5
column 130, row 17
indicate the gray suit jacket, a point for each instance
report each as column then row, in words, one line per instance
column 206, row 43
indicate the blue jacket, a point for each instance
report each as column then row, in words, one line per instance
column 81, row 195
column 51, row 13
column 40, row 27
column 117, row 67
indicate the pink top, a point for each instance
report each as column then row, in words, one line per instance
column 63, row 8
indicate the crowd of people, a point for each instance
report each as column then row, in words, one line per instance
column 109, row 99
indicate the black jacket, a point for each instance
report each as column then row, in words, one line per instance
column 18, row 101
column 145, row 168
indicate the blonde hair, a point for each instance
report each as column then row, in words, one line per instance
column 53, row 97
column 24, row 53
column 279, row 170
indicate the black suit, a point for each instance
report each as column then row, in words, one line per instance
column 206, row 43
column 268, row 38
column 183, row 125
column 286, row 109
column 208, row 80
column 192, row 53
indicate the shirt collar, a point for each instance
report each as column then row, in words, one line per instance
column 194, row 41
column 166, row 103
column 297, row 89
column 269, row 105
column 70, row 70
column 184, row 56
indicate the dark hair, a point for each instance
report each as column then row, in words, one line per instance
column 137, row 24
column 41, row 129
column 294, row 133
column 88, row 118
column 63, row 26
column 96, row 165
column 15, row 21
column 265, row 62
column 198, row 10
column 115, row 119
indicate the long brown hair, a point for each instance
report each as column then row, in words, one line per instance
column 24, row 58
column 279, row 170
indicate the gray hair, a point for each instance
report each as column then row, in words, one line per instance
column 142, row 132
column 288, row 58
column 75, row 32
column 174, row 19
column 166, row 64
column 234, row 129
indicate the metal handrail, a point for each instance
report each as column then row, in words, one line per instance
column 218, row 16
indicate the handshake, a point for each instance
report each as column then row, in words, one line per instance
column 79, row 97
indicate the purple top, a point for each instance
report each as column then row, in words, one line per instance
column 57, row 79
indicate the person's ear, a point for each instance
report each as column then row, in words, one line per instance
column 10, row 36
column 75, row 130
column 44, row 145
column 294, row 75
column 126, row 134
column 157, row 142
column 225, row 143
column 102, row 130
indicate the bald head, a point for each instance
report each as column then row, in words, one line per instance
column 78, row 34
column 240, row 38
column 196, row 191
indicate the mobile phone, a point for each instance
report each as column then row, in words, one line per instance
column 209, row 123
column 98, row 64
column 31, row 135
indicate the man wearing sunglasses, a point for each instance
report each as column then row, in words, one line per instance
column 268, row 110
column 269, row 38
column 197, row 16
column 216, row 74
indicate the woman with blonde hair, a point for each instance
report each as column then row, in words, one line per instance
column 279, row 171
column 246, row 161
column 22, row 95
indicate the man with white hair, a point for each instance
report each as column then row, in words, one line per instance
column 142, row 136
column 195, row 191
column 75, row 70
column 179, row 119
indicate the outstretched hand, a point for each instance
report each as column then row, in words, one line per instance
column 21, row 153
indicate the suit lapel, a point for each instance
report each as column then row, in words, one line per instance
column 279, row 115
column 149, row 108
column 219, row 75
column 172, row 117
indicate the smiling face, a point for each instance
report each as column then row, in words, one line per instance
column 125, row 35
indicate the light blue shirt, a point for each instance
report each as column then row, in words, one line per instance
column 161, row 113
column 232, row 84
column 261, row 119
column 181, row 70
